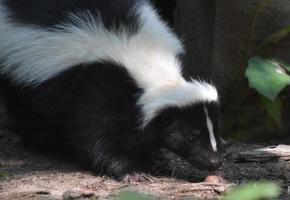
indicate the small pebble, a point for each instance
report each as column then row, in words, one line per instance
column 215, row 179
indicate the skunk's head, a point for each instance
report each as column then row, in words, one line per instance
column 187, row 123
column 192, row 133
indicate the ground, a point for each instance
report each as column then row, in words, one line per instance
column 27, row 175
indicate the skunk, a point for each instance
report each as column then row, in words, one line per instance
column 101, row 82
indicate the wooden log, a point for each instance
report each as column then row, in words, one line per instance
column 266, row 154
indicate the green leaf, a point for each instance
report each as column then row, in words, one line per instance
column 274, row 108
column 133, row 196
column 254, row 191
column 267, row 77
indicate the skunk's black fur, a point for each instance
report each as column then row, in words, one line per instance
column 92, row 111
column 88, row 113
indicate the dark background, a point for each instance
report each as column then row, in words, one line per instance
column 219, row 37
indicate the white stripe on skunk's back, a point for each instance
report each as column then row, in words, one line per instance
column 32, row 55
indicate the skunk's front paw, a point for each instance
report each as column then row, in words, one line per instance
column 137, row 177
column 124, row 169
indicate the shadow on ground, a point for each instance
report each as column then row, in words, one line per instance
column 27, row 175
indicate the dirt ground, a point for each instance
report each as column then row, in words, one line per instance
column 27, row 175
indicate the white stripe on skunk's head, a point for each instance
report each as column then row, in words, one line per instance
column 181, row 94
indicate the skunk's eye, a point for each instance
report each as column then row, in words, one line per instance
column 191, row 139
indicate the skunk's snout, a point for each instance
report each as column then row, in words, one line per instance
column 207, row 163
